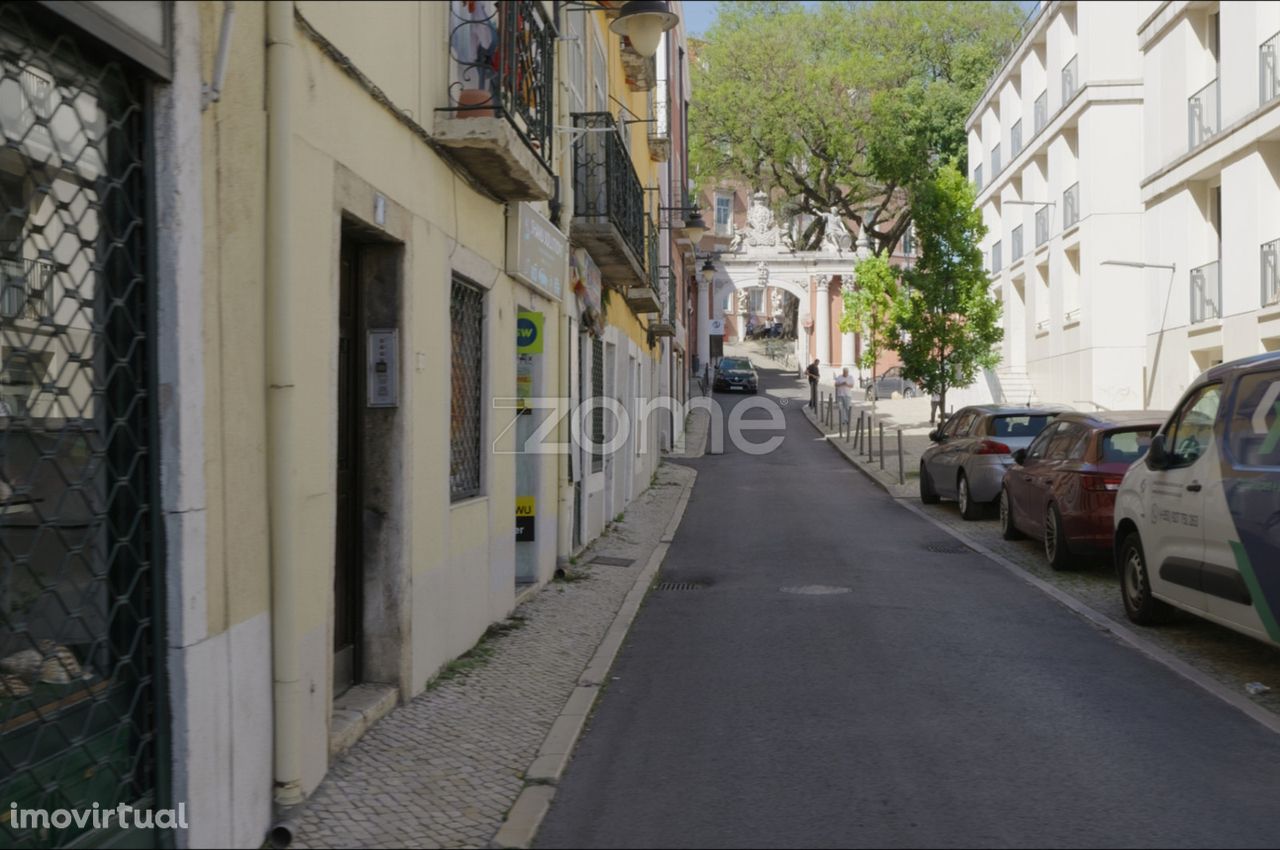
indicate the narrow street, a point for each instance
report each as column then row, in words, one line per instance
column 939, row 701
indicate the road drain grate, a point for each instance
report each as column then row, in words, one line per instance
column 680, row 585
column 610, row 561
column 947, row 547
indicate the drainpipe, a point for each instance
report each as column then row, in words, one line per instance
column 281, row 400
column 564, row 372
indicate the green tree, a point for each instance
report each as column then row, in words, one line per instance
column 871, row 309
column 847, row 105
column 948, row 325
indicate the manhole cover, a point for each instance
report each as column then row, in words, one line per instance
column 680, row 585
column 947, row 547
column 610, row 561
column 816, row 590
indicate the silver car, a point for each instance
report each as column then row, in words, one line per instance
column 973, row 449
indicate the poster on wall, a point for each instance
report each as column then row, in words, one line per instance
column 588, row 286
column 526, row 513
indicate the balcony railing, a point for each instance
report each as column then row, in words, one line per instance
column 1042, row 225
column 1206, row 293
column 502, row 68
column 995, row 161
column 1015, row 139
column 25, row 289
column 977, row 177
column 1070, row 80
column 1071, row 206
column 1041, row 112
column 1269, row 70
column 608, row 200
column 996, row 259
column 659, row 132
column 1204, row 116
column 1015, row 245
column 1271, row 273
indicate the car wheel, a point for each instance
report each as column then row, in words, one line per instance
column 928, row 495
column 969, row 509
column 1056, row 550
column 1008, row 530
column 1140, row 606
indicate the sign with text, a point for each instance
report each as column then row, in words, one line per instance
column 526, row 513
column 383, row 368
column 537, row 252
column 528, row 332
column 715, row 327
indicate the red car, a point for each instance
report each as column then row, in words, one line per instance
column 1062, row 488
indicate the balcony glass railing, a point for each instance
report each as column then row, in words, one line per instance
column 977, row 177
column 604, row 180
column 995, row 161
column 25, row 288
column 1070, row 80
column 1206, row 293
column 1015, row 139
column 1015, row 244
column 1071, row 206
column 1041, row 112
column 996, row 259
column 1269, row 70
column 1203, row 115
column 503, row 64
column 1271, row 273
column 1042, row 225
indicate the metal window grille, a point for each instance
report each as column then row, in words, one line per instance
column 1206, row 293
column 605, row 181
column 597, row 412
column 466, row 322
column 80, row 629
column 1204, row 117
column 1071, row 206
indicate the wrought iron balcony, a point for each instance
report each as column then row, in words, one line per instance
column 1269, row 70
column 1015, row 139
column 1041, row 112
column 1071, row 206
column 500, row 117
column 1070, row 80
column 1015, row 245
column 645, row 298
column 1206, row 293
column 1204, row 115
column 608, row 201
column 1271, row 273
column 25, row 289
column 666, row 324
column 1042, row 225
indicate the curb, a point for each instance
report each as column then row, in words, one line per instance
column 1126, row 635
column 522, row 822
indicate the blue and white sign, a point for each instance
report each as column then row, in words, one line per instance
column 537, row 252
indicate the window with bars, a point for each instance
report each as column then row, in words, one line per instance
column 597, row 411
column 466, row 322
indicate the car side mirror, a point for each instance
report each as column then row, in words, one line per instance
column 1158, row 453
column 936, row 435
column 1020, row 456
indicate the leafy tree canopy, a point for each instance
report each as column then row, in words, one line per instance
column 847, row 105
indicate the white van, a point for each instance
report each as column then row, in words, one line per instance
column 1197, row 521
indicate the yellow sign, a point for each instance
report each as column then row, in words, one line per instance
column 525, row 505
column 526, row 508
column 528, row 332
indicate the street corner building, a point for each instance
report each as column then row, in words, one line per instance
column 283, row 285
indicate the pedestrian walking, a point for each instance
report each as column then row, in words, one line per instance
column 935, row 405
column 814, row 374
column 844, row 395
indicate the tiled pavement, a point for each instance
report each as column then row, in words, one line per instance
column 443, row 770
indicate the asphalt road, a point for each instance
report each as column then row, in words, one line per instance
column 942, row 702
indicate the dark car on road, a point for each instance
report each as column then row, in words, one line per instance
column 1062, row 488
column 735, row 373
column 892, row 381
column 972, row 450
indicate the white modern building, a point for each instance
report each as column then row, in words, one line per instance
column 1054, row 149
column 1210, row 188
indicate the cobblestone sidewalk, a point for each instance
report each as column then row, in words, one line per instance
column 443, row 770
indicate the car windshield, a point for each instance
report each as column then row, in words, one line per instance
column 1126, row 446
column 1025, row 425
column 730, row 364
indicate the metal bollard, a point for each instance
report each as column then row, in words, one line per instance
column 831, row 403
column 857, row 440
column 882, row 445
column 902, row 475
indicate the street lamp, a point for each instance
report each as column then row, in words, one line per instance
column 694, row 227
column 644, row 22
column 708, row 271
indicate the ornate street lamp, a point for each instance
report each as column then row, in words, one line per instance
column 694, row 227
column 708, row 271
column 643, row 22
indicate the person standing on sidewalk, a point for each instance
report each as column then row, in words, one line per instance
column 814, row 374
column 935, row 405
column 844, row 395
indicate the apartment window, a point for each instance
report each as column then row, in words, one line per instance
column 757, row 300
column 909, row 241
column 995, row 161
column 1271, row 273
column 1015, row 139
column 466, row 321
column 1041, row 112
column 996, row 259
column 1071, row 206
column 576, row 24
column 1070, row 80
column 1016, row 240
column 1042, row 225
column 724, row 215
column 977, row 177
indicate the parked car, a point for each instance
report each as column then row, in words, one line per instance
column 892, row 381
column 1197, row 521
column 972, row 450
column 735, row 373
column 1062, row 488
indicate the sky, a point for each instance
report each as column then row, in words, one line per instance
column 700, row 14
